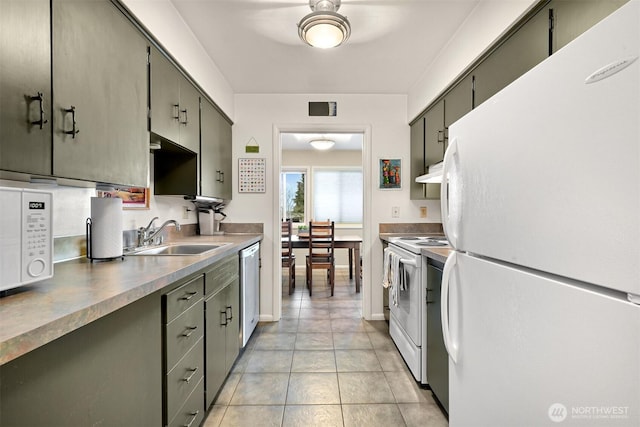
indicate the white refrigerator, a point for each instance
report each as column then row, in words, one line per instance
column 541, row 202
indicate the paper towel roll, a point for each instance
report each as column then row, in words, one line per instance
column 106, row 227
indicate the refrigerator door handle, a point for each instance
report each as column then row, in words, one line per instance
column 452, row 348
column 450, row 226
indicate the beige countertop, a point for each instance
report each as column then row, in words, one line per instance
column 81, row 292
column 438, row 253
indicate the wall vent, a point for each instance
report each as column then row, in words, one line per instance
column 323, row 109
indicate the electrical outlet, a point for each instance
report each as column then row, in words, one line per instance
column 423, row 211
column 185, row 212
column 395, row 212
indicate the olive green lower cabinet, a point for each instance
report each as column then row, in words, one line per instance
column 105, row 373
column 183, row 324
column 222, row 323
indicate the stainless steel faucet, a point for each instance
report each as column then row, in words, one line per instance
column 148, row 233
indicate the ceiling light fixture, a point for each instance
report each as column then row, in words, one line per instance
column 324, row 27
column 322, row 143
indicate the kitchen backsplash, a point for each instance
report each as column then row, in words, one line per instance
column 410, row 228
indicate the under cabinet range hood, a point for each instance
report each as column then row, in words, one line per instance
column 205, row 201
column 433, row 177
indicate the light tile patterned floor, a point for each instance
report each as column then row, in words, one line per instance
column 323, row 365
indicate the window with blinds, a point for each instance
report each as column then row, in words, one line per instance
column 337, row 194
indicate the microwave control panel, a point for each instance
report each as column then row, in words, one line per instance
column 27, row 236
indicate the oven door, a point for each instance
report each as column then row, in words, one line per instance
column 404, row 297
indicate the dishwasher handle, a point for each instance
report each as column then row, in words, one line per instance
column 250, row 251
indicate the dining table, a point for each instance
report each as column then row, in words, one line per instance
column 351, row 243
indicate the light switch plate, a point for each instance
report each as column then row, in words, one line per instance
column 423, row 211
column 395, row 212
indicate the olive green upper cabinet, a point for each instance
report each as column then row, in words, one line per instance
column 175, row 104
column 519, row 53
column 100, row 85
column 25, row 86
column 573, row 17
column 417, row 158
column 457, row 103
column 434, row 134
column 215, row 153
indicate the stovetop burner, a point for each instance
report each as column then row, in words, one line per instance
column 432, row 243
column 416, row 243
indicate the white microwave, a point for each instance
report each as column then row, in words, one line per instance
column 26, row 236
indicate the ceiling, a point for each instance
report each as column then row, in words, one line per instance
column 300, row 141
column 255, row 43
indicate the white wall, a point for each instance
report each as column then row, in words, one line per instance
column 384, row 117
column 488, row 21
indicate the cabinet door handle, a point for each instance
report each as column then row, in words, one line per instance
column 40, row 98
column 440, row 136
column 189, row 296
column 226, row 321
column 190, row 377
column 186, row 118
column 194, row 415
column 176, row 112
column 429, row 301
column 189, row 331
column 218, row 176
column 73, row 131
column 229, row 308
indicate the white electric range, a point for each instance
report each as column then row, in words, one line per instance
column 408, row 300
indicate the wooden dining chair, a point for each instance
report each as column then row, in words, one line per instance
column 288, row 257
column 321, row 252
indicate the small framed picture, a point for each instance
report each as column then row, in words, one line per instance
column 390, row 174
column 132, row 197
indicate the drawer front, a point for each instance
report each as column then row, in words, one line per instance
column 192, row 413
column 183, row 379
column 183, row 333
column 222, row 273
column 180, row 299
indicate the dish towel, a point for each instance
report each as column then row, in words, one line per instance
column 392, row 275
column 386, row 268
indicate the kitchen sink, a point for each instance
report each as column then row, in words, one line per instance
column 179, row 249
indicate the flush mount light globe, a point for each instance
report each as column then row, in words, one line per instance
column 322, row 143
column 324, row 27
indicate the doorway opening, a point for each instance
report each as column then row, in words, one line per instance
column 324, row 184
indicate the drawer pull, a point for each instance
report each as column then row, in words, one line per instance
column 189, row 296
column 189, row 331
column 194, row 415
column 190, row 377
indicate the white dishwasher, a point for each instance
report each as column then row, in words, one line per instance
column 249, row 290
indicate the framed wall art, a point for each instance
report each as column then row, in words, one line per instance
column 390, row 174
column 132, row 197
